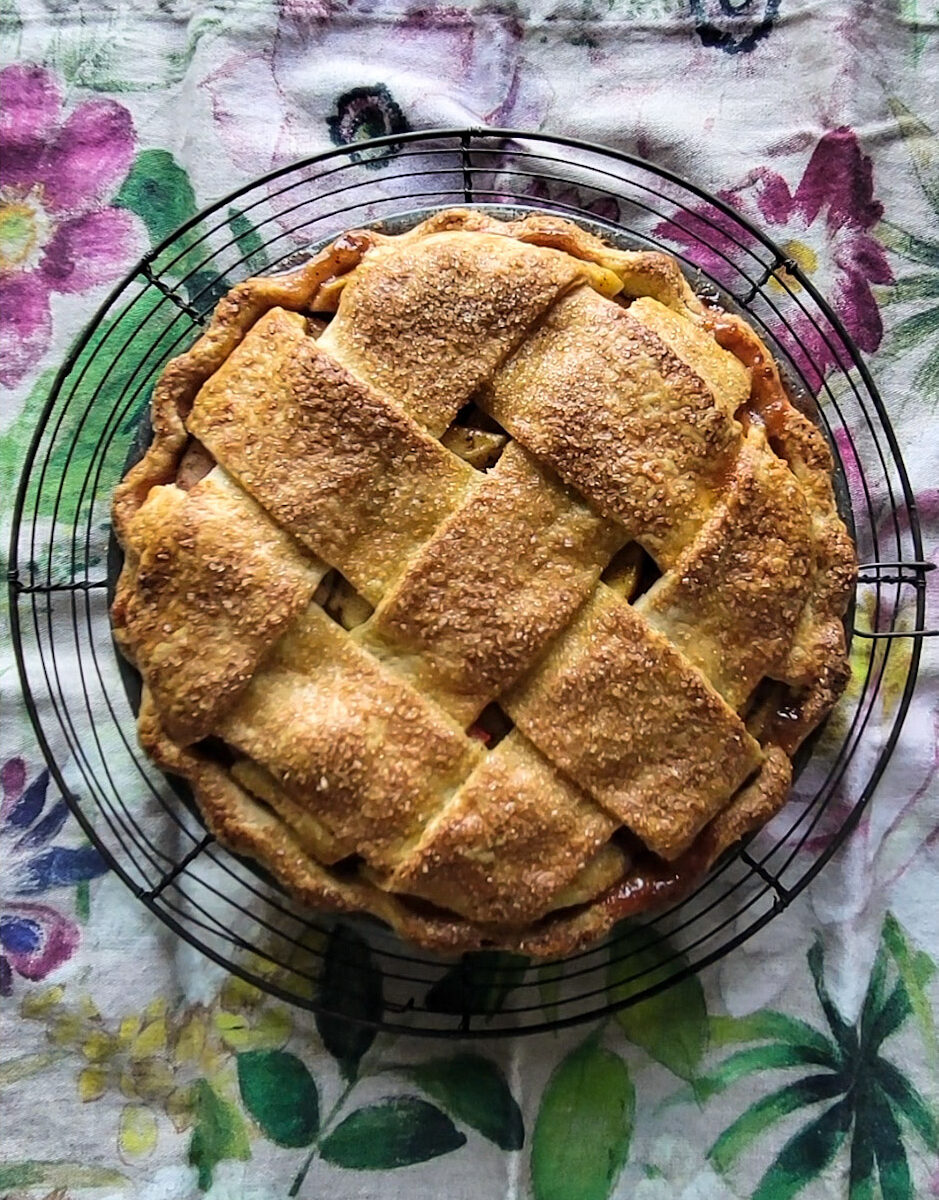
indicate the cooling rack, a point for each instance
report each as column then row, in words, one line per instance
column 81, row 696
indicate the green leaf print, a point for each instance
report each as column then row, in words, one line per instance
column 906, row 1101
column 869, row 1091
column 861, row 1170
column 894, row 1011
column 914, row 287
column 58, row 1174
column 874, row 997
column 672, row 1027
column 218, row 1133
column 250, row 243
column 87, row 59
column 16, row 438
column 479, row 984
column 280, row 1093
column 158, row 190
column 350, row 983
column 178, row 62
column 845, row 1035
column 102, row 400
column 104, row 397
column 584, row 1126
column 767, row 1025
column 11, row 23
column 773, row 1057
column 918, row 328
column 110, row 385
column 393, row 1133
column 740, row 1135
column 83, row 901
column 908, row 334
column 909, row 245
column 922, row 144
column 892, row 1167
column 473, row 1090
column 806, row 1154
column 927, row 378
column 915, row 967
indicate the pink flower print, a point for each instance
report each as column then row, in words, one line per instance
column 825, row 225
column 57, row 231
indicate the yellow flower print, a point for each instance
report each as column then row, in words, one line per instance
column 156, row 1058
column 892, row 655
column 137, row 1133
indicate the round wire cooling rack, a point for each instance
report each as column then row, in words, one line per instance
column 147, row 827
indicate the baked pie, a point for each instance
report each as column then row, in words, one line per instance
column 481, row 578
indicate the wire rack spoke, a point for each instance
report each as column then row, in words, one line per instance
column 909, row 572
column 467, row 166
column 72, row 585
column 82, row 697
column 888, row 635
column 782, row 892
column 171, row 294
column 174, row 873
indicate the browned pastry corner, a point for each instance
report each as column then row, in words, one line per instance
column 481, row 579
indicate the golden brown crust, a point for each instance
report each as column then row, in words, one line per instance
column 247, row 827
column 428, row 327
column 732, row 600
column 722, row 372
column 313, row 836
column 305, row 288
column 352, row 743
column 182, row 377
column 501, row 577
column 208, row 587
column 617, row 708
column 669, row 428
column 817, row 659
column 603, row 400
column 514, row 836
column 341, row 468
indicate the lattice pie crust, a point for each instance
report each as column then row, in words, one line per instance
column 482, row 579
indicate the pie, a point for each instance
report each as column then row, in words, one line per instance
column 481, row 578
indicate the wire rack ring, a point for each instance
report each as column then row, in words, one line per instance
column 80, row 696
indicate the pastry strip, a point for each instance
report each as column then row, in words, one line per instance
column 351, row 743
column 619, row 710
column 344, row 470
column 597, row 395
column 513, row 837
column 501, row 577
column 731, row 602
column 208, row 586
column 429, row 321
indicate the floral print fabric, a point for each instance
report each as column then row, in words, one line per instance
column 58, row 229
column 804, row 1064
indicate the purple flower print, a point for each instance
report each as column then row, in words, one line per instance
column 732, row 27
column 825, row 225
column 57, row 232
column 35, row 938
column 365, row 113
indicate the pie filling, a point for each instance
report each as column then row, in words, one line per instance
column 494, row 597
